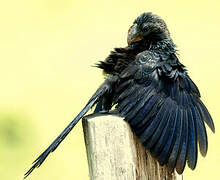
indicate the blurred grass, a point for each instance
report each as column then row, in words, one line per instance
column 47, row 49
column 13, row 142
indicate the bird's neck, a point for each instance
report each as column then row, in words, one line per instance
column 165, row 45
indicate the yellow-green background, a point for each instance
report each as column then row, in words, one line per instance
column 47, row 48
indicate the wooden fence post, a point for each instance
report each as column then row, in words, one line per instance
column 114, row 153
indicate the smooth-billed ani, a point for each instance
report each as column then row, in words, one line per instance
column 151, row 89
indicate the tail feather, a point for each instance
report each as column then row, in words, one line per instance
column 105, row 87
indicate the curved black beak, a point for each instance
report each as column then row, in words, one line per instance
column 134, row 34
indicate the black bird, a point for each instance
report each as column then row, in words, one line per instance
column 151, row 89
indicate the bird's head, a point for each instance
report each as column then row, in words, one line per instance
column 147, row 26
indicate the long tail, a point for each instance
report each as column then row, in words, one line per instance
column 105, row 87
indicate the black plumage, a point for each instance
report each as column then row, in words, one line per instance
column 153, row 92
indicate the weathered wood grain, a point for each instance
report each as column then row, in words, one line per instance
column 114, row 153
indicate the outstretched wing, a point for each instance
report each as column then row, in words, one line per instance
column 163, row 107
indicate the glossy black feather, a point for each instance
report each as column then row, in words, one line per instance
column 201, row 132
column 126, row 93
column 165, row 152
column 142, row 102
column 168, row 133
column 154, row 124
column 181, row 161
column 154, row 138
column 149, row 109
column 176, row 147
column 124, row 85
column 132, row 97
column 205, row 115
column 192, row 139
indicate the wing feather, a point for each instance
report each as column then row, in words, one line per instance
column 181, row 161
column 163, row 107
column 176, row 147
column 201, row 132
column 164, row 154
column 149, row 109
column 192, row 139
column 142, row 102
column 168, row 133
column 154, row 138
column 155, row 122
column 205, row 115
